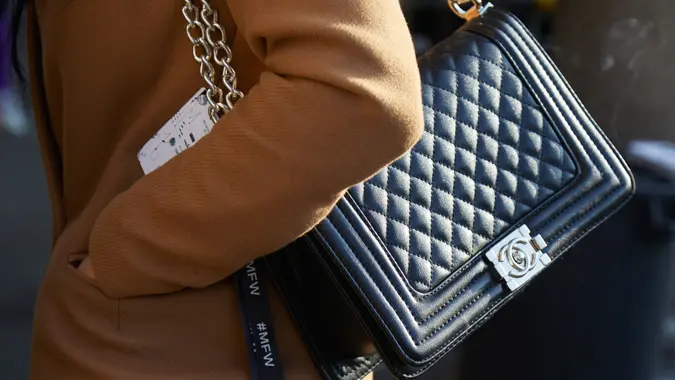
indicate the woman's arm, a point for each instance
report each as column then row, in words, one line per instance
column 341, row 100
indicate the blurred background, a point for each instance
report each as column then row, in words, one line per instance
column 605, row 312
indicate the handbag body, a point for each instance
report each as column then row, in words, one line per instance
column 510, row 172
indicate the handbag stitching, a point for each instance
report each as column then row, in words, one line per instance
column 487, row 312
column 445, row 349
column 473, row 320
column 431, row 212
column 602, row 175
column 453, row 317
column 490, row 137
column 538, row 157
column 482, row 159
column 395, row 219
column 416, row 230
column 585, row 150
column 490, row 311
column 431, row 203
column 341, row 234
column 517, row 72
column 547, row 92
column 499, row 65
column 559, row 212
column 454, row 297
column 567, row 207
column 348, row 244
column 450, row 346
column 423, row 320
column 465, row 175
column 565, row 247
column 473, row 207
column 460, row 271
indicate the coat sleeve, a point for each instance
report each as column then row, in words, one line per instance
column 341, row 99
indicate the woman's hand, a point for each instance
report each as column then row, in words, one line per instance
column 86, row 268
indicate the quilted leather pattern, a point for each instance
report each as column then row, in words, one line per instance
column 499, row 162
column 489, row 155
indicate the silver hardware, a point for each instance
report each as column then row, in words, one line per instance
column 209, row 48
column 519, row 257
column 478, row 9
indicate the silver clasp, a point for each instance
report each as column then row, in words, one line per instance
column 478, row 9
column 518, row 257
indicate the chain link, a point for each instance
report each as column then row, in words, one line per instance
column 479, row 7
column 209, row 48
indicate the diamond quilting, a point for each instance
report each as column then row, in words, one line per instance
column 488, row 156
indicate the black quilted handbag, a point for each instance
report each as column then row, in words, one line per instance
column 510, row 173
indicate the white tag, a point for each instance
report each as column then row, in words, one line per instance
column 183, row 130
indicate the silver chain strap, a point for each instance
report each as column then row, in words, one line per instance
column 209, row 48
column 479, row 7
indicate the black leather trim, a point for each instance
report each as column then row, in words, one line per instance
column 604, row 173
column 335, row 338
column 412, row 328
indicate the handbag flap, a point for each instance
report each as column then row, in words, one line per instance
column 509, row 154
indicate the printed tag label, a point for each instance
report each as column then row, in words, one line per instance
column 183, row 130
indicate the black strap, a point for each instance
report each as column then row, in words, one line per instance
column 258, row 324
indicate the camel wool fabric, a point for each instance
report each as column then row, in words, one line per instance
column 333, row 95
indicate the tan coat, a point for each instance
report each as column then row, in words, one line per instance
column 333, row 95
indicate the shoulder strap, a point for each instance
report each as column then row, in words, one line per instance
column 209, row 48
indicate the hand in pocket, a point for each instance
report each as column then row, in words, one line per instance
column 86, row 268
